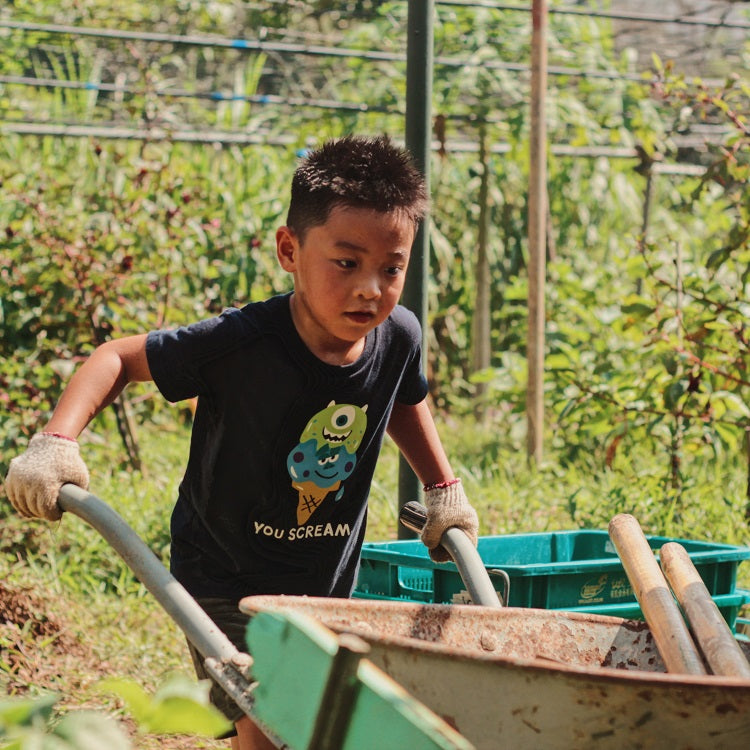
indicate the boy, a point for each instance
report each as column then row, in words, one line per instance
column 294, row 397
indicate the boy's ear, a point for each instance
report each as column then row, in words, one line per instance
column 287, row 245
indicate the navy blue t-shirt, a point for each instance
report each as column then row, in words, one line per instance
column 283, row 448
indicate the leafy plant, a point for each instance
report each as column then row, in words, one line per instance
column 666, row 365
column 29, row 723
column 179, row 706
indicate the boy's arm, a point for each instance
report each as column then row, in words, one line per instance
column 98, row 382
column 53, row 458
column 413, row 430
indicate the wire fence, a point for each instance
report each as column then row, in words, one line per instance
column 36, row 115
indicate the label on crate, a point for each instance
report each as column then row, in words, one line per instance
column 602, row 588
column 620, row 588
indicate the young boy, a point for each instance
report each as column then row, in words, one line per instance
column 294, row 397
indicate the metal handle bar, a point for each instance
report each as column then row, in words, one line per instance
column 198, row 627
column 464, row 554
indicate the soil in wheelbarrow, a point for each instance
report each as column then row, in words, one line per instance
column 43, row 651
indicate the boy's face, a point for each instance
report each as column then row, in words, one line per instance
column 348, row 277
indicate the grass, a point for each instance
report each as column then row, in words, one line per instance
column 100, row 621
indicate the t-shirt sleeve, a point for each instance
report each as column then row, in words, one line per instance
column 177, row 357
column 413, row 387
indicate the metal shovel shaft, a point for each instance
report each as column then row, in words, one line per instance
column 198, row 627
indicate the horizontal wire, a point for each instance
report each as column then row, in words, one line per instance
column 159, row 133
column 608, row 14
column 217, row 96
column 274, row 99
column 259, row 45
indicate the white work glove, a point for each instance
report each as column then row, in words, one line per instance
column 35, row 477
column 447, row 506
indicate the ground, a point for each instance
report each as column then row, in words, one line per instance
column 42, row 650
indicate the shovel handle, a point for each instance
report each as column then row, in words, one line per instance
column 464, row 554
column 715, row 639
column 670, row 632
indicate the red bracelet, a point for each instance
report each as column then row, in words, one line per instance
column 59, row 435
column 440, row 485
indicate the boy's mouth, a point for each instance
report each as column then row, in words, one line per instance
column 360, row 316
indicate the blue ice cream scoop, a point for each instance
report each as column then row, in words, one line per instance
column 322, row 466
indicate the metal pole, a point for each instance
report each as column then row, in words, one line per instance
column 418, row 129
column 537, row 234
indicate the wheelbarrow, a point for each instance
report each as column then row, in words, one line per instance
column 566, row 679
column 327, row 694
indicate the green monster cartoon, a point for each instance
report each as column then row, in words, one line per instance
column 325, row 455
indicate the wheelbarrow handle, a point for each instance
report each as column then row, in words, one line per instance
column 198, row 627
column 470, row 566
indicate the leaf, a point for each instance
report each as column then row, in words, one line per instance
column 558, row 361
column 569, row 408
column 672, row 394
column 182, row 715
column 179, row 706
column 27, row 711
column 670, row 363
column 135, row 697
column 728, row 435
column 730, row 402
column 86, row 730
column 717, row 257
column 486, row 375
column 612, row 450
column 180, row 686
column 638, row 309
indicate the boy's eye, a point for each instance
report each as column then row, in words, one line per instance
column 394, row 270
column 346, row 263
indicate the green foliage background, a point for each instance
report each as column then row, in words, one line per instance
column 646, row 386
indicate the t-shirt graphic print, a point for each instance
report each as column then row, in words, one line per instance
column 325, row 455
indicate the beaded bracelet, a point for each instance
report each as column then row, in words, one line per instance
column 440, row 485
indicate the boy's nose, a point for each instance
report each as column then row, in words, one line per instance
column 369, row 288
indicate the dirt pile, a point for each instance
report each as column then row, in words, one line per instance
column 37, row 647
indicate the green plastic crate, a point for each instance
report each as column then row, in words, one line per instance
column 566, row 570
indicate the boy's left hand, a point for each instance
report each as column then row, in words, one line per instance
column 447, row 506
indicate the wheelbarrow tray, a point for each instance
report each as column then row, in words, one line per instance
column 503, row 677
column 520, row 677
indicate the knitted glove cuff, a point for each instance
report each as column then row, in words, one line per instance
column 447, row 506
column 445, row 495
column 54, row 441
column 52, row 454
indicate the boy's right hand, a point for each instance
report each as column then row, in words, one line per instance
column 35, row 477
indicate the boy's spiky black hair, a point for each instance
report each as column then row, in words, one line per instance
column 358, row 172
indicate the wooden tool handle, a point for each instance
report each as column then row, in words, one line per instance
column 656, row 601
column 715, row 639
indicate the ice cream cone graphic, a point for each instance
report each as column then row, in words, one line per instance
column 310, row 497
column 325, row 455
